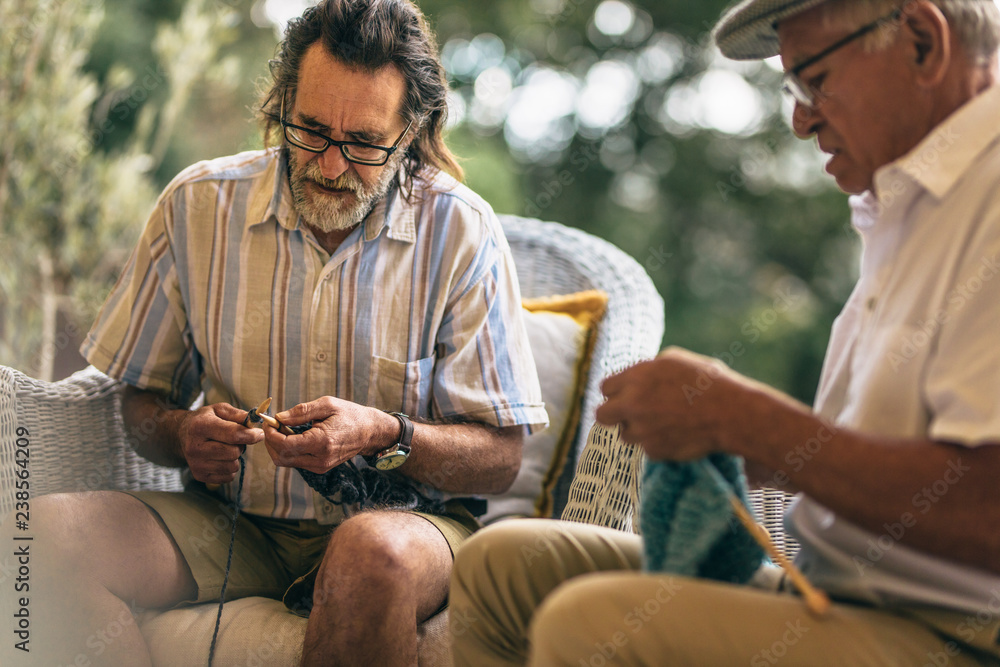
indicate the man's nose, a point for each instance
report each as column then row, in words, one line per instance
column 804, row 120
column 332, row 163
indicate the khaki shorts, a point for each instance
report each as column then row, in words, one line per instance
column 274, row 558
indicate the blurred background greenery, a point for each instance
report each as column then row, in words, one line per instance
column 614, row 116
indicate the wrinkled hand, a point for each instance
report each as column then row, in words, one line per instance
column 679, row 406
column 341, row 430
column 212, row 439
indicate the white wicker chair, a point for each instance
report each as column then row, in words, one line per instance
column 78, row 442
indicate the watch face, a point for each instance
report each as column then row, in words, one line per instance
column 391, row 460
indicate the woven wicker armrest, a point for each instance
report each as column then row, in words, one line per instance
column 554, row 259
column 74, row 435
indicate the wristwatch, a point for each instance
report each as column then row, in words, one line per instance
column 396, row 454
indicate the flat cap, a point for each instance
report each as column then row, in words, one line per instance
column 747, row 31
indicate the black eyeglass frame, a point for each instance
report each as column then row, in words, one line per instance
column 805, row 95
column 342, row 145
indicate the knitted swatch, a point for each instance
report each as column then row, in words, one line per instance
column 346, row 484
column 688, row 526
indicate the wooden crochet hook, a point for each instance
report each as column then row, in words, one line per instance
column 816, row 600
column 256, row 412
column 261, row 409
column 276, row 425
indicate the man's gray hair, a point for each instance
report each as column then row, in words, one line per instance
column 976, row 22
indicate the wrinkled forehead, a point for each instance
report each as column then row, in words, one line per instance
column 326, row 82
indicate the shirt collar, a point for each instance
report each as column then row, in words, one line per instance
column 393, row 212
column 941, row 158
column 272, row 199
column 272, row 196
column 865, row 210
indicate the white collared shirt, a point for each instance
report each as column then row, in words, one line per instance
column 915, row 353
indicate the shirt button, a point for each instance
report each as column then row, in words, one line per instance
column 321, row 356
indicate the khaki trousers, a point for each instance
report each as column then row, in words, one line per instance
column 546, row 592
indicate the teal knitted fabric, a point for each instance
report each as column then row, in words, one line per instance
column 688, row 526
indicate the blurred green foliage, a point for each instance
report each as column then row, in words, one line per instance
column 745, row 238
column 93, row 106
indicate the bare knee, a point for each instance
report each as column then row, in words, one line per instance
column 361, row 540
column 384, row 557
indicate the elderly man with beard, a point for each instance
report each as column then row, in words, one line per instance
column 347, row 274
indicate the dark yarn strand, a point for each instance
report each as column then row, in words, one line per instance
column 251, row 418
column 229, row 561
column 368, row 488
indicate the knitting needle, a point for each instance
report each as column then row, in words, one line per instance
column 259, row 416
column 816, row 600
column 275, row 424
column 255, row 416
column 258, row 411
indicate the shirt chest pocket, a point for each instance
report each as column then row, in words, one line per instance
column 399, row 386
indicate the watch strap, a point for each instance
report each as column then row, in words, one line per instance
column 405, row 431
column 396, row 454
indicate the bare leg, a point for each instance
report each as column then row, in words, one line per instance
column 383, row 573
column 95, row 558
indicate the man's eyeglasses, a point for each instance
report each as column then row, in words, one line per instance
column 353, row 151
column 807, row 95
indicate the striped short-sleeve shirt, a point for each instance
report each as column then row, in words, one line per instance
column 228, row 294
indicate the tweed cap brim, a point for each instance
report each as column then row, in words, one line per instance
column 747, row 31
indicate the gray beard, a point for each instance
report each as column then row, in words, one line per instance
column 328, row 213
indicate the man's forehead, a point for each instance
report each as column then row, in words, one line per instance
column 802, row 35
column 328, row 86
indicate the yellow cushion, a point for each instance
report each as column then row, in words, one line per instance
column 561, row 333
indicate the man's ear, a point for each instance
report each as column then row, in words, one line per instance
column 930, row 43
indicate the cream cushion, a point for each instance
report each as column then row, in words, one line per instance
column 254, row 632
column 560, row 332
